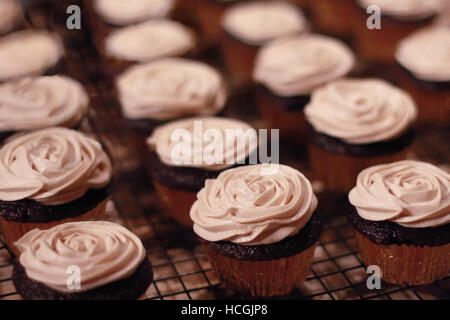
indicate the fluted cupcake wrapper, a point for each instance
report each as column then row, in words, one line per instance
column 406, row 264
column 266, row 278
column 13, row 231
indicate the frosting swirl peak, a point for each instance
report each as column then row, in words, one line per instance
column 104, row 251
column 245, row 206
column 52, row 166
column 413, row 194
column 11, row 15
column 360, row 111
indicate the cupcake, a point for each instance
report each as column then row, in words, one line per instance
column 288, row 70
column 354, row 124
column 334, row 17
column 169, row 89
column 259, row 228
column 11, row 15
column 398, row 19
column 248, row 26
column 184, row 153
column 146, row 42
column 423, row 70
column 49, row 177
column 28, row 52
column 401, row 218
column 110, row 260
column 34, row 103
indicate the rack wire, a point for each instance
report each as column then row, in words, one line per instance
column 181, row 269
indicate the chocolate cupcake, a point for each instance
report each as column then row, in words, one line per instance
column 423, row 70
column 402, row 221
column 185, row 153
column 130, row 45
column 28, row 52
column 354, row 124
column 49, row 177
column 169, row 89
column 34, row 103
column 259, row 228
column 11, row 13
column 248, row 26
column 109, row 259
column 398, row 20
column 288, row 70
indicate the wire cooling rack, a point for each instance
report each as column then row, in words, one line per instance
column 181, row 269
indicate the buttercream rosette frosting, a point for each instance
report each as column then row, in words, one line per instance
column 119, row 12
column 171, row 88
column 150, row 40
column 406, row 9
column 361, row 111
column 52, row 166
column 258, row 22
column 28, row 52
column 103, row 251
column 297, row 65
column 413, row 194
column 39, row 102
column 426, row 54
column 193, row 142
column 11, row 15
column 247, row 207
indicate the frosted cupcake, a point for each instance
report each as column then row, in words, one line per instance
column 34, row 103
column 356, row 124
column 402, row 220
column 423, row 60
column 259, row 228
column 28, row 52
column 110, row 260
column 288, row 70
column 398, row 20
column 49, row 177
column 248, row 26
column 146, row 42
column 184, row 153
column 11, row 15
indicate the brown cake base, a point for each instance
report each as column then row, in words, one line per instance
column 334, row 17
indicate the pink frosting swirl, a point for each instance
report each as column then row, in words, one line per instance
column 245, row 206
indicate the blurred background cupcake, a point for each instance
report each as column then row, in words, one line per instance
column 49, row 177
column 248, row 26
column 357, row 123
column 185, row 153
column 423, row 69
column 401, row 218
column 287, row 71
column 11, row 15
column 398, row 19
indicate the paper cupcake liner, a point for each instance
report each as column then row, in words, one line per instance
column 262, row 278
column 335, row 17
column 339, row 172
column 13, row 231
column 406, row 264
column 176, row 203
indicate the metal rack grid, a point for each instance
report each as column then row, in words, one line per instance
column 181, row 269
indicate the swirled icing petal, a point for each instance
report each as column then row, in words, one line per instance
column 11, row 14
column 171, row 88
column 119, row 12
column 406, row 9
column 245, row 206
column 150, row 40
column 297, row 65
column 39, row 102
column 361, row 111
column 413, row 194
column 258, row 22
column 28, row 52
column 426, row 54
column 105, row 252
column 214, row 133
column 52, row 166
